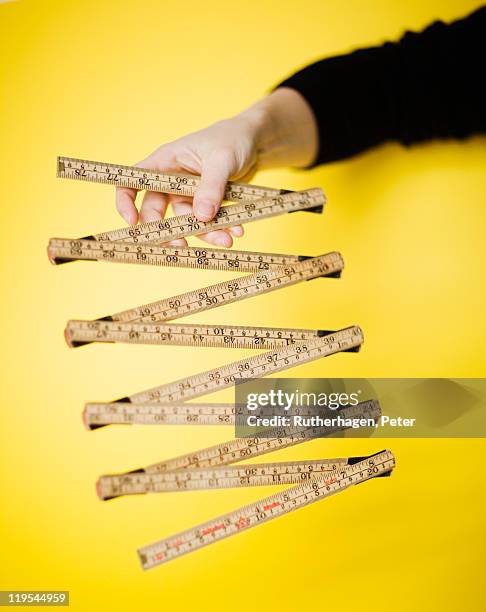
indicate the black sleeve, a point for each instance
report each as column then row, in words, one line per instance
column 428, row 85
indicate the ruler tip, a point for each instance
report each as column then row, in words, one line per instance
column 99, row 492
column 67, row 338
column 86, row 421
column 142, row 557
column 84, row 417
column 56, row 261
column 98, row 489
column 50, row 255
column 60, row 166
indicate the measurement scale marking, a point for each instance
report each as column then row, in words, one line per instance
column 183, row 226
column 102, row 414
column 220, row 477
column 79, row 332
column 62, row 250
column 99, row 414
column 265, row 509
column 143, row 178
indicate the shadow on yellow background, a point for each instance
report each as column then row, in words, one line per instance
column 111, row 81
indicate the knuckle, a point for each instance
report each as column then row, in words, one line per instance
column 154, row 207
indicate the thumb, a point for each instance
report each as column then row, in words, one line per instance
column 210, row 193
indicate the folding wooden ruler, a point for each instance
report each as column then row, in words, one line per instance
column 148, row 324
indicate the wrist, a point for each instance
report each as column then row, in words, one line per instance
column 284, row 129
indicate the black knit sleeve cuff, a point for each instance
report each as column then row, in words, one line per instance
column 350, row 101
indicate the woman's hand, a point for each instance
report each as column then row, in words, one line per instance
column 278, row 130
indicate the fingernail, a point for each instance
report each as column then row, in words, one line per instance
column 130, row 216
column 224, row 241
column 237, row 231
column 205, row 210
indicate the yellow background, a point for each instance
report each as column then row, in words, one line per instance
column 111, row 81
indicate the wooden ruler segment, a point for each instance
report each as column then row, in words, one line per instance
column 232, row 290
column 266, row 509
column 232, row 451
column 189, row 334
column 276, row 438
column 221, row 477
column 253, row 367
column 152, row 180
column 183, row 226
column 62, row 250
column 101, row 414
